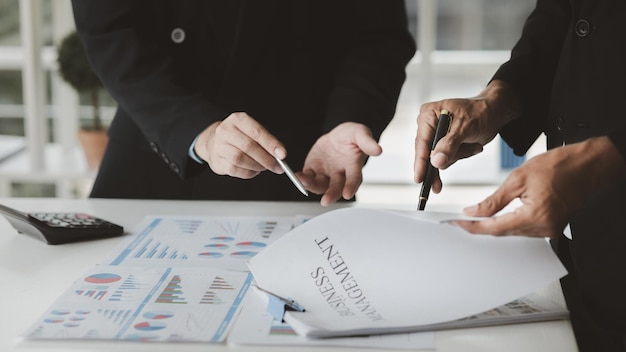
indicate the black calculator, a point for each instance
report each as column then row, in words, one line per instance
column 59, row 228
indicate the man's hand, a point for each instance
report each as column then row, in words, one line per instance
column 475, row 122
column 551, row 187
column 240, row 147
column 334, row 165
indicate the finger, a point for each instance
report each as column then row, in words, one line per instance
column 260, row 144
column 510, row 224
column 263, row 137
column 242, row 173
column 225, row 167
column 469, row 149
column 231, row 147
column 367, row 143
column 464, row 151
column 437, row 184
column 240, row 159
column 335, row 186
column 508, row 191
column 426, row 123
column 235, row 148
column 315, row 183
column 231, row 161
column 446, row 151
column 305, row 178
column 354, row 178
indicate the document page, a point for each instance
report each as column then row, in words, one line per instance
column 255, row 326
column 367, row 271
column 146, row 304
column 200, row 241
column 175, row 278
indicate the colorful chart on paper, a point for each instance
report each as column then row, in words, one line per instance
column 146, row 304
column 225, row 242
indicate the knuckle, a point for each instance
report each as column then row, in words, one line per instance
column 487, row 203
column 224, row 129
column 236, row 158
column 425, row 107
column 516, row 178
column 256, row 133
column 221, row 128
column 432, row 106
column 238, row 116
column 247, row 145
column 217, row 168
column 231, row 170
column 248, row 174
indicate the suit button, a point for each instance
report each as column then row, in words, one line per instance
column 582, row 28
column 154, row 147
column 178, row 35
column 165, row 158
column 174, row 167
column 560, row 123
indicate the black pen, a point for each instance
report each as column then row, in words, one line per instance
column 442, row 128
column 289, row 303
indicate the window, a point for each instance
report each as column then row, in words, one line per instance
column 460, row 45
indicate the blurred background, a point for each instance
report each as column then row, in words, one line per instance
column 460, row 45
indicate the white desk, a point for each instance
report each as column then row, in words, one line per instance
column 28, row 265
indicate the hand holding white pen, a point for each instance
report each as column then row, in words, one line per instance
column 239, row 146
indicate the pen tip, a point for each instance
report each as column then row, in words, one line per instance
column 444, row 112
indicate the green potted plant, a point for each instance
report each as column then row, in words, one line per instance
column 75, row 69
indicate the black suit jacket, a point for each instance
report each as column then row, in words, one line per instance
column 174, row 67
column 569, row 69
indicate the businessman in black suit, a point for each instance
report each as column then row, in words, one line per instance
column 564, row 79
column 210, row 92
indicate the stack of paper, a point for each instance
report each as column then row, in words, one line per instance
column 356, row 271
column 363, row 271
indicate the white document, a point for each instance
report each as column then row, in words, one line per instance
column 530, row 308
column 436, row 217
column 255, row 326
column 366, row 271
column 146, row 304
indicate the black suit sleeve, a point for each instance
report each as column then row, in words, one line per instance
column 126, row 54
column 531, row 68
column 368, row 81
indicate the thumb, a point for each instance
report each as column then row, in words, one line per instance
column 367, row 143
column 494, row 203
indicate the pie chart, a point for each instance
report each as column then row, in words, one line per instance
column 103, row 278
column 211, row 255
column 243, row 254
column 149, row 326
column 251, row 245
column 160, row 314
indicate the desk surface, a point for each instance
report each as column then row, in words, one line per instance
column 27, row 265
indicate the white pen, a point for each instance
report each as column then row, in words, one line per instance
column 292, row 177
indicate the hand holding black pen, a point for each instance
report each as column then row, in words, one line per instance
column 442, row 128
